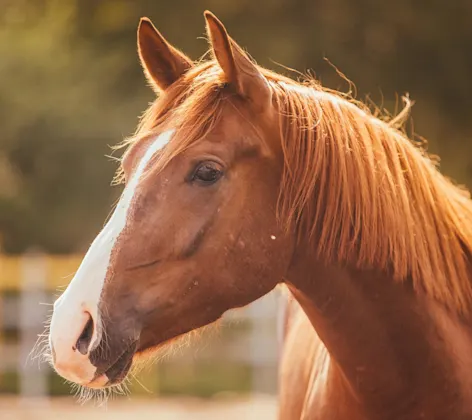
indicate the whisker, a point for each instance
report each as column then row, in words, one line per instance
column 141, row 384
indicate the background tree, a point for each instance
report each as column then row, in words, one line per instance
column 71, row 86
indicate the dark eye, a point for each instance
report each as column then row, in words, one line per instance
column 207, row 173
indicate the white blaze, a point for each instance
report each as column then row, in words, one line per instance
column 83, row 293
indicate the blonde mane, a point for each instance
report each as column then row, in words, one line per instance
column 370, row 197
column 354, row 186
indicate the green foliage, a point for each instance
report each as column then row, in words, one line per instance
column 204, row 379
column 199, row 380
column 9, row 382
column 71, row 86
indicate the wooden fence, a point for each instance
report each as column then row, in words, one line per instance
column 242, row 357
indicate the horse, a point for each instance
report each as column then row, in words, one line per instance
column 239, row 179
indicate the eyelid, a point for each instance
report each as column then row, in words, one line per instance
column 198, row 163
column 208, row 158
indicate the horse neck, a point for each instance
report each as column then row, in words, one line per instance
column 388, row 341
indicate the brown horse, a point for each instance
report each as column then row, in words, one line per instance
column 239, row 179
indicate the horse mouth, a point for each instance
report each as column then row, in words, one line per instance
column 116, row 372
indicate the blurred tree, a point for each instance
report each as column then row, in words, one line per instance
column 71, row 85
column 60, row 110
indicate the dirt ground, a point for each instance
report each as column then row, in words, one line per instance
column 250, row 408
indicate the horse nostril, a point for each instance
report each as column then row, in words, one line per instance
column 83, row 343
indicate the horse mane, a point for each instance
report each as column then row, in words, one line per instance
column 354, row 187
column 368, row 196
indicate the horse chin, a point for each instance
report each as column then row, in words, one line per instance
column 151, row 352
column 136, row 356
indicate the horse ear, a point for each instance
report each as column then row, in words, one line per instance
column 163, row 64
column 240, row 72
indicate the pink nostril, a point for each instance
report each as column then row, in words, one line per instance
column 83, row 343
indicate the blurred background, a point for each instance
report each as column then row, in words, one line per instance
column 71, row 86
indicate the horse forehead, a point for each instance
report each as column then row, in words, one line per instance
column 126, row 206
column 137, row 174
column 141, row 153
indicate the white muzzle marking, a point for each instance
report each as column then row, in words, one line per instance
column 81, row 298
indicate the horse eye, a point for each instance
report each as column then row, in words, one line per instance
column 207, row 173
